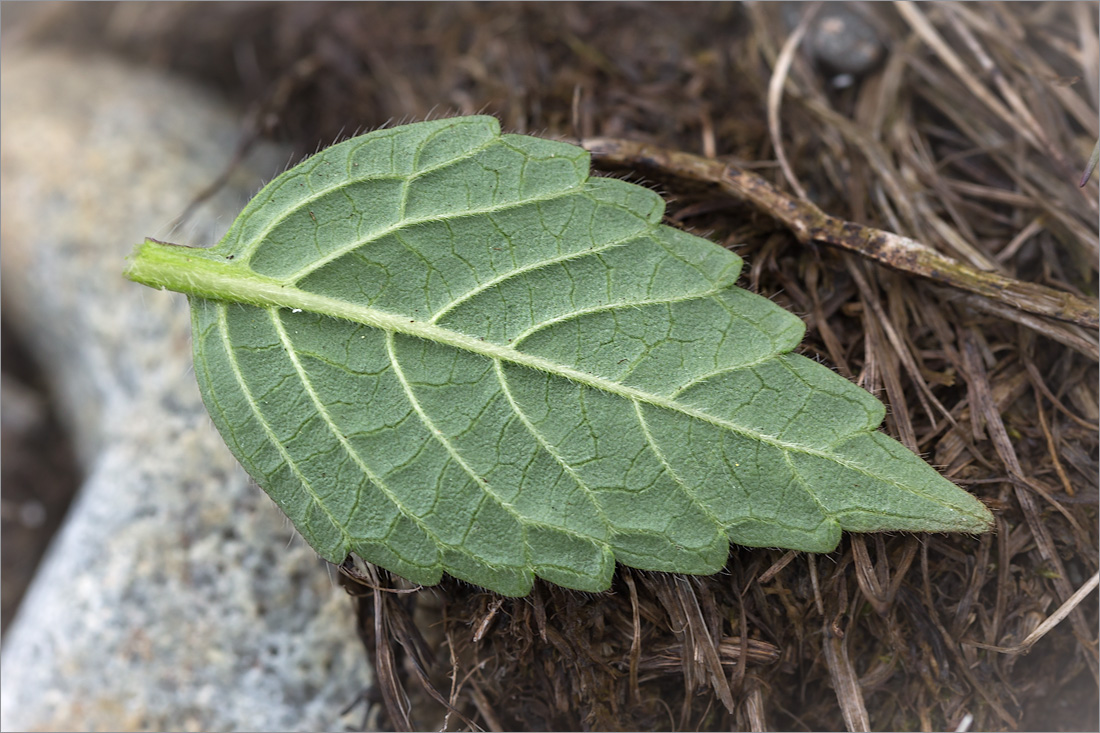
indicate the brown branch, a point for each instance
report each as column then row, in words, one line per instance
column 808, row 223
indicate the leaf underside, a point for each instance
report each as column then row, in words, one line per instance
column 450, row 350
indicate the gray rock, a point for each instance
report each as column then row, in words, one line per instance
column 176, row 595
column 839, row 41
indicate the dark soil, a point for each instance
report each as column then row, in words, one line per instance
column 889, row 631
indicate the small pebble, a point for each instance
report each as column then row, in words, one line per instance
column 840, row 42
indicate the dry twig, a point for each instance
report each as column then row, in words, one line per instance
column 809, row 224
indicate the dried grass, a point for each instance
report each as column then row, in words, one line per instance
column 969, row 139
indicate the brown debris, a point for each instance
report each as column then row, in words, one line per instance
column 968, row 138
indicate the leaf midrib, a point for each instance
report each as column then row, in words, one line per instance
column 197, row 274
column 389, row 322
column 267, row 292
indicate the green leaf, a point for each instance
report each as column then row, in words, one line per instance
column 451, row 350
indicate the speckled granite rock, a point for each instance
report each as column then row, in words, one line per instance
column 176, row 596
